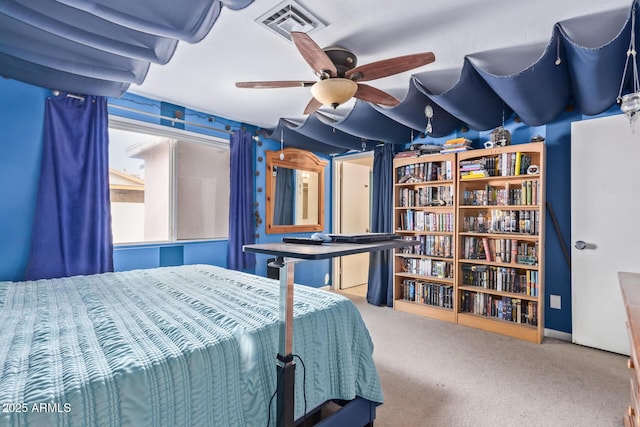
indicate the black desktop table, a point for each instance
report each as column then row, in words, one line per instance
column 287, row 254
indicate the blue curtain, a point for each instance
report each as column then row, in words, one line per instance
column 71, row 232
column 380, row 289
column 241, row 225
column 283, row 203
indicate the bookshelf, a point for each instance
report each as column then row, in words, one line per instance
column 424, row 210
column 500, row 245
column 478, row 220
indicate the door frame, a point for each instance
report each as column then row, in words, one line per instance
column 335, row 203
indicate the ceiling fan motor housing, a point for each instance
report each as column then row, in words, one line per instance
column 343, row 59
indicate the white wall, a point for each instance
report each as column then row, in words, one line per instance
column 127, row 222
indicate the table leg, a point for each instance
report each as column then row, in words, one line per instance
column 285, row 365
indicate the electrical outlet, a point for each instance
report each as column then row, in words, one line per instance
column 326, row 279
column 555, row 302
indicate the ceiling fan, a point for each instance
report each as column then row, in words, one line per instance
column 340, row 77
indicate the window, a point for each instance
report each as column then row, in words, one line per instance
column 166, row 184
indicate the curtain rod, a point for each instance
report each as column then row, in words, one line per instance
column 173, row 119
column 160, row 116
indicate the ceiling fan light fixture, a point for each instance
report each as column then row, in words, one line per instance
column 334, row 91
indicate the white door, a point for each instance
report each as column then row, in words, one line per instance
column 605, row 210
column 354, row 218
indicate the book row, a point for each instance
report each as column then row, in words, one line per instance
column 501, row 279
column 526, row 193
column 426, row 221
column 505, row 164
column 438, row 246
column 441, row 195
column 425, row 172
column 435, row 294
column 503, row 221
column 428, row 267
column 500, row 250
column 509, row 309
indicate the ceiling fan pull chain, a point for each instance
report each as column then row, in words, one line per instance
column 281, row 144
column 558, row 59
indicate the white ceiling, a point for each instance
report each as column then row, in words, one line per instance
column 202, row 76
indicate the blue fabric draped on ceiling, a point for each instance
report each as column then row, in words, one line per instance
column 71, row 232
column 581, row 66
column 95, row 47
column 380, row 282
column 100, row 48
column 241, row 221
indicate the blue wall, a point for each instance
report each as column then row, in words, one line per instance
column 21, row 116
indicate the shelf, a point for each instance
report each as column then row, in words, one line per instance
column 406, row 275
column 495, row 292
column 502, row 207
column 440, row 313
column 426, row 208
column 430, row 233
column 433, row 257
column 498, row 264
column 425, row 183
column 491, row 324
column 516, row 236
column 502, row 188
column 488, row 179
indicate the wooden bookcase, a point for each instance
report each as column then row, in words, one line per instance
column 500, row 240
column 490, row 207
column 424, row 210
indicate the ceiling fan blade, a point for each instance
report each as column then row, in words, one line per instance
column 312, row 106
column 274, row 84
column 389, row 67
column 313, row 54
column 375, row 96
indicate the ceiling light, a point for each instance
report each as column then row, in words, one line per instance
column 334, row 91
column 630, row 103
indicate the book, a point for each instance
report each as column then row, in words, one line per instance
column 487, row 249
column 518, row 163
column 514, row 251
column 457, row 141
column 405, row 154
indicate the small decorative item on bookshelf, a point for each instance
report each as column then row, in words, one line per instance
column 533, row 170
column 537, row 138
column 501, row 137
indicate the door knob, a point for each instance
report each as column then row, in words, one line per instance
column 580, row 245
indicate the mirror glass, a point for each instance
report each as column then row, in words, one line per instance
column 295, row 191
column 295, row 196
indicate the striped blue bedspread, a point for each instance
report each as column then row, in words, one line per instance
column 175, row 346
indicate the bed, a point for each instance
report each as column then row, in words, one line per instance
column 176, row 346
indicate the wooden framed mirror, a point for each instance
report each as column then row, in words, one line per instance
column 295, row 191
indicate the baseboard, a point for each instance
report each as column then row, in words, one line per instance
column 559, row 335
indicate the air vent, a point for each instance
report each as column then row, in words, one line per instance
column 289, row 16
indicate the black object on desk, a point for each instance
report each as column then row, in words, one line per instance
column 302, row 240
column 363, row 238
column 287, row 254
